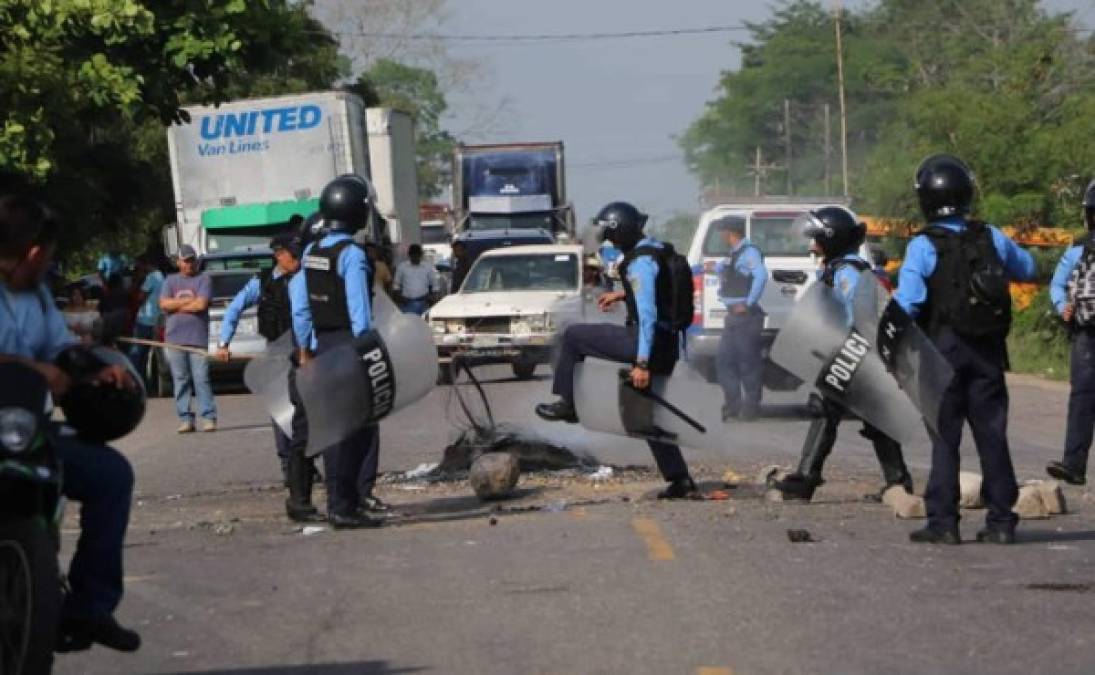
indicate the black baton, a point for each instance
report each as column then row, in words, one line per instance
column 625, row 376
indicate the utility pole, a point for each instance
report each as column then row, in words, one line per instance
column 757, row 169
column 787, row 144
column 837, row 12
column 828, row 152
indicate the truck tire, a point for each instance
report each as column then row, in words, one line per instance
column 524, row 370
column 31, row 604
column 444, row 374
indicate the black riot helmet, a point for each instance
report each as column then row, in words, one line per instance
column 836, row 230
column 622, row 224
column 346, row 203
column 312, row 229
column 1089, row 206
column 944, row 185
column 97, row 412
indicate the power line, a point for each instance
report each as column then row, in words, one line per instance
column 546, row 37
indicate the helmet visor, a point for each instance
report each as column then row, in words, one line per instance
column 811, row 226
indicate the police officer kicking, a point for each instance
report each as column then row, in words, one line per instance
column 331, row 305
column 835, row 235
column 954, row 282
column 647, row 342
column 1072, row 292
column 33, row 332
column 270, row 291
column 740, row 363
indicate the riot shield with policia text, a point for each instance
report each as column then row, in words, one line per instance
column 367, row 378
column 817, row 346
column 908, row 354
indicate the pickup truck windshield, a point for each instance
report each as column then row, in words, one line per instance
column 511, row 221
column 774, row 236
column 539, row 272
column 227, row 284
column 434, row 235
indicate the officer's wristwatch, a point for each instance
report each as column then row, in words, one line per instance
column 642, row 364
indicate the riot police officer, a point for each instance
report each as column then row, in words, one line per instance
column 1073, row 294
column 954, row 282
column 645, row 342
column 331, row 305
column 740, row 363
column 835, row 236
column 270, row 291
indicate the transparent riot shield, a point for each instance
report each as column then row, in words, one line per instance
column 677, row 409
column 818, row 346
column 919, row 369
column 364, row 380
column 268, row 378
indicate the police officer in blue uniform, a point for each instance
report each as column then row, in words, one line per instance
column 33, row 332
column 331, row 305
column 835, row 235
column 1072, row 292
column 954, row 282
column 646, row 342
column 742, row 277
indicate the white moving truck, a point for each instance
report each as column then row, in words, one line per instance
column 241, row 170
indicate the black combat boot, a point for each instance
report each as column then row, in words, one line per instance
column 560, row 411
column 79, row 633
column 927, row 535
column 681, row 488
column 996, row 535
column 800, row 485
column 299, row 504
column 1062, row 471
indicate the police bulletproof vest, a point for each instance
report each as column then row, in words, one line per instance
column 968, row 291
column 828, row 276
column 275, row 316
column 326, row 289
column 732, row 283
column 662, row 288
column 1081, row 284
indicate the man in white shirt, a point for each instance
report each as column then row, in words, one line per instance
column 415, row 282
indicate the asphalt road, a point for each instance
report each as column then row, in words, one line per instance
column 578, row 576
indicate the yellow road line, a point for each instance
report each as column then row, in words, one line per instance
column 657, row 548
column 711, row 670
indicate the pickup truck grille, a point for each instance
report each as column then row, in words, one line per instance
column 489, row 324
column 789, row 277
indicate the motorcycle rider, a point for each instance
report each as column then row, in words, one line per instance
column 331, row 305
column 954, row 282
column 33, row 332
column 644, row 342
column 835, row 236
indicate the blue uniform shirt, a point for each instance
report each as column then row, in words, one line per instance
column 750, row 264
column 1058, row 288
column 920, row 261
column 642, row 274
column 844, row 284
column 353, row 267
column 248, row 296
column 31, row 326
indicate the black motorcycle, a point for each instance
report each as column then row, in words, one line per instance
column 31, row 506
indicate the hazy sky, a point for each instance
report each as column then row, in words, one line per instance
column 617, row 104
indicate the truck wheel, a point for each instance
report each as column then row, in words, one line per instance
column 30, row 597
column 524, row 370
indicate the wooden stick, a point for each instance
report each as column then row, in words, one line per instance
column 180, row 348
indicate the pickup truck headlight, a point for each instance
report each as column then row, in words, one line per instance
column 541, row 324
column 454, row 326
column 249, row 325
column 17, row 429
column 438, row 327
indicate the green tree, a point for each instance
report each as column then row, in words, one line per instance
column 415, row 91
column 86, row 87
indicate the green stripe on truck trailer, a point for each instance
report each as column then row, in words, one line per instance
column 257, row 215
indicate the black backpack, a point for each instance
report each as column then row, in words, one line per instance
column 969, row 289
column 677, row 289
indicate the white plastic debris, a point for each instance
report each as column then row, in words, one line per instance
column 421, row 471
column 602, row 473
column 309, row 530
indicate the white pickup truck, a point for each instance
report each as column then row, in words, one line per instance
column 512, row 305
column 791, row 269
